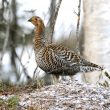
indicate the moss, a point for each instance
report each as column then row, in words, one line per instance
column 13, row 102
column 4, row 85
column 1, row 86
column 2, row 102
column 10, row 104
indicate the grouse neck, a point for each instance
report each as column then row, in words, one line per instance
column 39, row 38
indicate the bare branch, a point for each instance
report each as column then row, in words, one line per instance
column 5, row 41
column 24, row 69
column 78, row 24
column 7, row 36
column 30, row 11
column 75, row 13
column 34, row 77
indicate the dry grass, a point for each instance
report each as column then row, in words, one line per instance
column 69, row 42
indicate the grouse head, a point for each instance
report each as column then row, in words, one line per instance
column 37, row 22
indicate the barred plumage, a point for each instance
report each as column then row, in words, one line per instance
column 57, row 59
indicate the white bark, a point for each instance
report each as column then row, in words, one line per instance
column 97, row 31
column 96, row 28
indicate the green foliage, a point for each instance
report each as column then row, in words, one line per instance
column 10, row 104
column 5, row 86
column 1, row 86
column 2, row 102
column 13, row 101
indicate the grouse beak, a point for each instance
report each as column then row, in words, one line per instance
column 30, row 20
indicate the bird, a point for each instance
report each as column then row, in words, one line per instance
column 57, row 59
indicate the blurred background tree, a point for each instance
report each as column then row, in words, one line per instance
column 9, row 36
column 96, row 38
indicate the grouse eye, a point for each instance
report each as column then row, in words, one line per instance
column 36, row 19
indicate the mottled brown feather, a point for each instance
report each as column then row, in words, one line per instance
column 57, row 59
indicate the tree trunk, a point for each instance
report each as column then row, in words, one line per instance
column 96, row 27
column 54, row 9
column 12, row 36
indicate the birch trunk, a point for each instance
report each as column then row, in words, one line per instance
column 96, row 28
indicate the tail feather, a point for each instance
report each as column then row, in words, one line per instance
column 87, row 66
column 89, row 69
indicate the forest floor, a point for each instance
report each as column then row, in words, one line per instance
column 66, row 95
